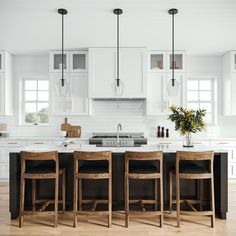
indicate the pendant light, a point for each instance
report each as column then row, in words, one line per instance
column 173, row 84
column 61, row 85
column 117, row 84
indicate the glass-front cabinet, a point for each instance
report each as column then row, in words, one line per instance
column 74, row 61
column 178, row 63
column 156, row 61
column 78, row 61
column 56, row 61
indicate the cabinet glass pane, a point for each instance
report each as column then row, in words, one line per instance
column 58, row 61
column 178, row 61
column 79, row 61
column 156, row 61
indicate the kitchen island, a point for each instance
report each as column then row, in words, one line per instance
column 98, row 189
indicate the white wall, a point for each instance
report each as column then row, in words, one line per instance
column 129, row 114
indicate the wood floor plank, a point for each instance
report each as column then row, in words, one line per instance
column 97, row 226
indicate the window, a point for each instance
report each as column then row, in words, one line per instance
column 201, row 94
column 35, row 101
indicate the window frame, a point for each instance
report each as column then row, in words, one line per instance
column 23, row 90
column 213, row 99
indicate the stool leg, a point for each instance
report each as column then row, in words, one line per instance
column 56, row 201
column 161, row 202
column 33, row 193
column 155, row 194
column 63, row 191
column 171, row 194
column 22, row 201
column 201, row 193
column 126, row 201
column 178, row 200
column 212, row 202
column 110, row 202
column 75, row 200
column 80, row 194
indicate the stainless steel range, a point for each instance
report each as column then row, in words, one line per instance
column 118, row 139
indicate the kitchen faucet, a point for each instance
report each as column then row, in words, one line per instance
column 119, row 128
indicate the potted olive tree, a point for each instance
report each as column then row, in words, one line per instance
column 188, row 121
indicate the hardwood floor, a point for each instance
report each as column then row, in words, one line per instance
column 97, row 226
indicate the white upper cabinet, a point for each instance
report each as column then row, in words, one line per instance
column 102, row 72
column 179, row 61
column 56, row 61
column 156, row 94
column 229, row 83
column 180, row 99
column 59, row 105
column 78, row 61
column 6, row 84
column 159, row 75
column 78, row 95
column 76, row 101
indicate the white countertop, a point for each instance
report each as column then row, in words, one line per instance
column 164, row 148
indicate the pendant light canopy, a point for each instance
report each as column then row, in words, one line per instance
column 173, row 84
column 117, row 85
column 61, row 85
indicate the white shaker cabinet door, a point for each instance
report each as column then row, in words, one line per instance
column 156, row 94
column 79, row 94
column 180, row 99
column 2, row 94
column 102, row 72
column 59, row 105
column 133, row 68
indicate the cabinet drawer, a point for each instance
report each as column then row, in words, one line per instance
column 223, row 143
column 38, row 142
column 13, row 143
column 232, row 170
column 4, row 170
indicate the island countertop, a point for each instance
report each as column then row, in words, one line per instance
column 162, row 147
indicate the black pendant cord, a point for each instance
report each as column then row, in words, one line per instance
column 118, row 51
column 173, row 51
column 62, row 50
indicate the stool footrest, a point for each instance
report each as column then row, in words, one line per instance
column 92, row 213
column 144, row 213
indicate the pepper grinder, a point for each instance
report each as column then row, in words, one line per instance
column 162, row 132
column 158, row 131
column 167, row 133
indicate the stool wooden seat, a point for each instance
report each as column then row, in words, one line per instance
column 95, row 172
column 37, row 173
column 193, row 171
column 141, row 172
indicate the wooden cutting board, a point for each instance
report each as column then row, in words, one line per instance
column 65, row 126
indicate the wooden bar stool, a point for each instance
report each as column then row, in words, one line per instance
column 41, row 172
column 191, row 170
column 144, row 172
column 95, row 172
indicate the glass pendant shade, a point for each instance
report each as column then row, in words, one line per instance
column 118, row 88
column 173, row 87
column 61, row 88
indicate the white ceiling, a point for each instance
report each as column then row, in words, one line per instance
column 34, row 26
